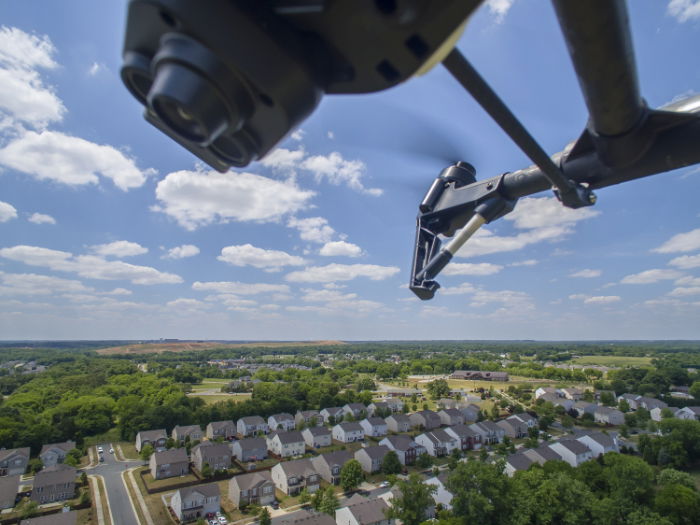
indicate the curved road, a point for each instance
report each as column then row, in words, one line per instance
column 111, row 470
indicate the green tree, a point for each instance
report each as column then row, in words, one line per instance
column 670, row 476
column 391, row 463
column 304, row 496
column 27, row 508
column 264, row 517
column 207, row 471
column 351, row 475
column 679, row 503
column 317, row 499
column 424, row 460
column 413, row 498
column 329, row 501
column 146, row 452
column 481, row 493
column 695, row 389
column 438, row 389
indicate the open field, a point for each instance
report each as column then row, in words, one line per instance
column 210, row 399
column 612, row 360
column 159, row 348
column 210, row 385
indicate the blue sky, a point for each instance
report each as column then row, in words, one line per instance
column 108, row 229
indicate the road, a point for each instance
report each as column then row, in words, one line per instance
column 119, row 501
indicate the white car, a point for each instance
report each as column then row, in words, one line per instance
column 100, row 450
column 384, row 484
column 111, row 451
column 223, row 520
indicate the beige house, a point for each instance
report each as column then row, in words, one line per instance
column 156, row 438
column 255, row 488
column 55, row 483
column 13, row 461
column 221, row 429
column 169, row 463
column 292, row 476
column 191, row 503
column 216, row 455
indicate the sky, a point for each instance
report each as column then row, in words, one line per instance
column 110, row 230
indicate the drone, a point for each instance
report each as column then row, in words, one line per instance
column 229, row 79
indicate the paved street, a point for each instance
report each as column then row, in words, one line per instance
column 119, row 502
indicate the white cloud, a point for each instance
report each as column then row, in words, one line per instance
column 527, row 262
column 119, row 291
column 232, row 301
column 464, row 288
column 298, row 134
column 284, row 159
column 183, row 303
column 7, row 212
column 23, row 95
column 340, row 249
column 683, row 291
column 330, row 135
column 586, row 274
column 41, row 218
column 499, row 8
column 88, row 266
column 684, row 10
column 237, row 288
column 686, row 262
column 96, row 68
column 472, row 269
column 510, row 298
column 312, row 229
column 545, row 219
column 336, row 170
column 119, row 249
column 682, row 242
column 35, row 284
column 602, row 299
column 342, row 272
column 325, row 295
column 688, row 281
column 54, row 156
column 249, row 255
column 196, row 199
column 651, row 276
column 181, row 252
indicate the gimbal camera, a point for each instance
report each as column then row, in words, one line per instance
column 229, row 79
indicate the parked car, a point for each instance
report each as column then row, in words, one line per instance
column 384, row 484
column 100, row 450
column 111, row 451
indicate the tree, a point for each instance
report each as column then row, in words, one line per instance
column 695, row 389
column 264, row 517
column 680, row 503
column 351, row 475
column 304, row 496
column 146, row 452
column 316, row 500
column 414, row 496
column 206, row 471
column 670, row 476
column 27, row 508
column 329, row 502
column 391, row 463
column 438, row 389
column 424, row 461
column 481, row 493
column 623, row 406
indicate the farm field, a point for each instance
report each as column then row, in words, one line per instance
column 612, row 360
column 210, row 399
column 159, row 348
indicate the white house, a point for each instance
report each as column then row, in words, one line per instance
column 371, row 458
column 281, row 422
column 374, row 426
column 292, row 476
column 348, row 432
column 286, row 444
column 542, row 454
column 516, row 462
column 609, row 416
column 572, row 451
column 442, row 496
column 468, row 438
column 251, row 425
column 692, row 413
column 406, row 449
column 599, row 443
column 332, row 415
column 438, row 442
column 356, row 410
column 317, row 437
column 367, row 512
column 547, row 390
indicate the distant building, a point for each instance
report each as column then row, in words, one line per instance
column 348, row 432
column 251, row 425
column 286, row 444
column 328, row 465
column 281, row 422
column 368, row 512
column 216, row 455
column 398, row 423
column 371, row 457
column 250, row 449
column 183, row 433
column 13, row 461
column 9, row 486
column 55, row 453
column 55, row 483
column 479, row 375
column 169, row 463
column 61, row 518
column 406, row 449
column 221, row 429
column 255, row 488
column 291, row 477
column 317, row 437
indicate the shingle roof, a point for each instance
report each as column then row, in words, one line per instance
column 251, row 480
column 65, row 446
column 400, row 418
column 376, row 421
column 284, row 416
column 253, row 420
column 376, row 452
column 519, row 461
column 574, row 446
column 153, row 435
column 318, row 431
column 61, row 518
column 545, row 452
column 174, row 455
column 298, row 467
column 211, row 448
column 252, row 443
column 8, row 487
column 370, row 511
column 293, row 436
column 463, row 431
column 351, row 426
column 10, row 451
column 602, row 439
column 216, row 425
column 337, row 457
column 57, row 474
column 210, row 490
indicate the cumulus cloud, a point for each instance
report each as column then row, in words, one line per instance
column 683, row 291
column 7, row 212
column 686, row 262
column 119, row 249
column 284, row 159
column 181, row 252
column 651, row 276
column 298, row 134
column 334, row 302
column 41, row 218
column 183, row 303
column 342, row 272
column 499, row 8
column 195, row 198
column 472, row 269
column 544, row 219
column 88, row 266
column 312, row 229
column 684, row 10
column 35, row 284
column 586, row 274
column 238, row 288
column 682, row 242
column 340, row 249
column 464, row 288
column 595, row 299
column 249, row 255
column 337, row 170
column 96, row 68
column 54, row 156
column 527, row 262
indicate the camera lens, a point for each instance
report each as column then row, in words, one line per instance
column 237, row 150
column 188, row 103
column 136, row 75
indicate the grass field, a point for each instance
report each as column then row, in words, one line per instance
column 210, row 385
column 159, row 348
column 612, row 360
column 210, row 399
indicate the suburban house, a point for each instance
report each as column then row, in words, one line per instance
column 542, row 454
column 371, row 457
column 216, row 455
column 584, row 407
column 650, row 403
column 516, row 462
column 55, row 453
column 305, row 517
column 191, row 503
column 425, row 420
column 356, row 410
column 55, row 483
column 182, row 433
column 656, row 413
column 470, row 413
column 514, row 428
column 61, row 518
column 447, row 402
column 317, row 437
column 169, row 463
column 479, row 375
column 490, row 432
column 379, row 408
column 395, row 405
column 366, row 512
column 526, row 418
column 348, row 432
column 467, row 437
column 374, row 426
column 13, row 461
column 255, row 488
column 599, row 442
column 575, row 394
column 451, row 416
column 221, row 429
column 251, row 425
column 406, row 449
column 292, row 476
column 286, row 444
column 9, row 486
column 631, row 400
column 156, row 438
column 442, row 496
column 572, row 451
column 609, row 416
column 547, row 390
column 328, row 465
column 250, row 449
column 332, row 415
column 692, row 413
column 281, row 422
column 438, row 442
column 398, row 423
column 308, row 418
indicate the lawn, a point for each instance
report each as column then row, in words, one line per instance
column 210, row 399
column 156, row 509
column 164, row 483
column 612, row 360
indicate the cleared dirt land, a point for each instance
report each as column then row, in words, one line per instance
column 159, row 348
